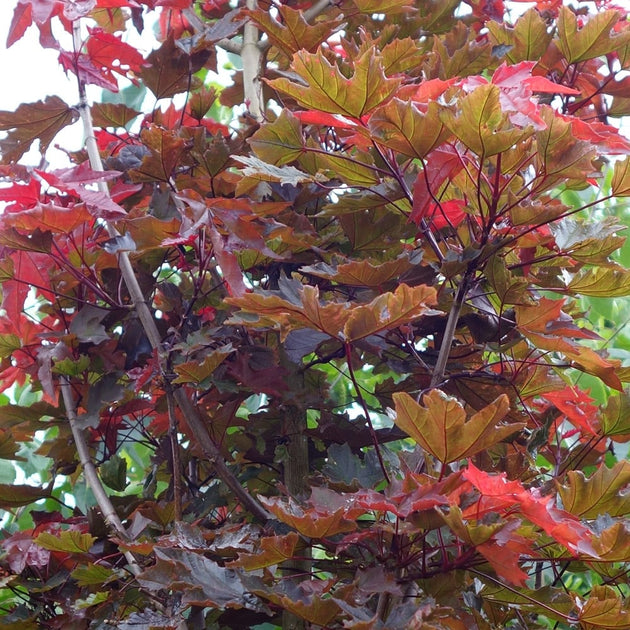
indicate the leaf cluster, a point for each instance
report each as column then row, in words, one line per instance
column 366, row 405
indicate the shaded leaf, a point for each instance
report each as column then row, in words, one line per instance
column 93, row 574
column 309, row 522
column 168, row 70
column 362, row 273
column 114, row 472
column 273, row 550
column 261, row 171
column 87, row 326
column 200, row 580
column 17, row 495
column 33, row 121
column 340, row 320
column 196, row 372
column 603, row 609
column 112, row 114
column 279, row 142
column 166, row 149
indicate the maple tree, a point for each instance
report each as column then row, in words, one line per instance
column 326, row 347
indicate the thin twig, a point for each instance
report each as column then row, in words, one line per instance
column 366, row 411
column 449, row 332
column 175, row 459
column 91, row 476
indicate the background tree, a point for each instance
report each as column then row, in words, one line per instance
column 321, row 359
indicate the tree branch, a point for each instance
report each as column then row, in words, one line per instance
column 91, row 476
column 316, row 9
column 251, row 55
column 145, row 315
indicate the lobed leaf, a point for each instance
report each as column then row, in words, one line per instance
column 30, row 122
column 604, row 492
column 441, row 427
column 326, row 89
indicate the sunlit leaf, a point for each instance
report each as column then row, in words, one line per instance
column 401, row 126
column 601, row 282
column 481, row 124
column 620, row 185
column 69, row 540
column 291, row 32
column 615, row 418
column 441, row 427
column 605, row 491
column 595, row 38
column 326, row 89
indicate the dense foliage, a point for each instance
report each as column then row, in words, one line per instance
column 333, row 346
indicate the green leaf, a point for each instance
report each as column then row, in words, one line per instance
column 195, row 372
column 401, row 126
column 481, row 124
column 594, row 39
column 33, row 121
column 114, row 472
column 279, row 142
column 70, row 541
column 327, row 90
column 615, row 418
column 93, row 599
column 440, row 426
column 8, row 344
column 604, row 492
column 620, row 185
column 601, row 282
column 93, row 574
